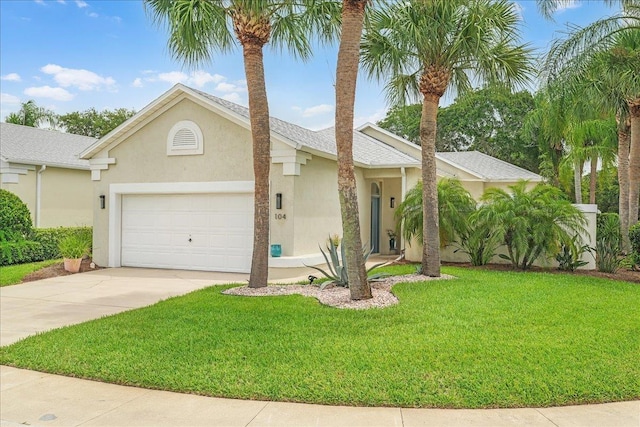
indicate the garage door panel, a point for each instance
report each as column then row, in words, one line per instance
column 156, row 230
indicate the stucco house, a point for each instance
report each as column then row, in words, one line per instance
column 43, row 168
column 178, row 183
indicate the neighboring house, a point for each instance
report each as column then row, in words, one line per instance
column 178, row 182
column 43, row 168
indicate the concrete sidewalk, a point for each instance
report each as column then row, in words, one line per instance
column 34, row 398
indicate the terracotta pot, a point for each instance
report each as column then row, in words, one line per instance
column 72, row 265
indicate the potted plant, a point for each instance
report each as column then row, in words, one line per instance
column 392, row 240
column 73, row 249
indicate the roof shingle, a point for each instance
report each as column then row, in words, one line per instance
column 33, row 146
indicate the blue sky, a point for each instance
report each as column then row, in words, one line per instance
column 71, row 55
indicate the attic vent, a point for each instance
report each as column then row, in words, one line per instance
column 185, row 138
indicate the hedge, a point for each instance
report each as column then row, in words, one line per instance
column 20, row 252
column 49, row 238
column 15, row 219
column 43, row 245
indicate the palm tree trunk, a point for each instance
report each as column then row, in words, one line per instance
column 624, row 138
column 430, row 227
column 260, row 134
column 593, row 179
column 346, row 76
column 634, row 161
column 577, row 180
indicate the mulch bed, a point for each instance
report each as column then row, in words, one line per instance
column 622, row 274
column 57, row 269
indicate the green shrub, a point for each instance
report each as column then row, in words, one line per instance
column 608, row 242
column 15, row 219
column 20, row 252
column 634, row 237
column 570, row 256
column 50, row 238
column 75, row 245
column 531, row 223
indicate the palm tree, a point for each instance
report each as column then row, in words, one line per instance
column 455, row 206
column 606, row 68
column 197, row 28
column 532, row 222
column 353, row 12
column 424, row 48
column 30, row 114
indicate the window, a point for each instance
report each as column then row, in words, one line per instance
column 185, row 138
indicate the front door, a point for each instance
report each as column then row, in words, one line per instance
column 375, row 218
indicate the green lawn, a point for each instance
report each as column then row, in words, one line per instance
column 486, row 339
column 12, row 274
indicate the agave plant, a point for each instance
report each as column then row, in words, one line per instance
column 337, row 265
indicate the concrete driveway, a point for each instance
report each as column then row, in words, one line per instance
column 52, row 303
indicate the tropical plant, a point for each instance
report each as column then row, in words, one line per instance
column 15, row 218
column 604, row 57
column 571, row 253
column 353, row 14
column 30, row 114
column 76, row 245
column 336, row 263
column 455, row 204
column 608, row 242
column 480, row 241
column 424, row 48
column 531, row 223
column 197, row 28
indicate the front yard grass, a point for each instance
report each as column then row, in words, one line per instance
column 12, row 274
column 485, row 339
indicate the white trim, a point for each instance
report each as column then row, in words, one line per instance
column 117, row 190
column 190, row 126
column 39, row 194
column 296, row 261
column 98, row 165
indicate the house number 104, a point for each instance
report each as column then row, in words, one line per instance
column 281, row 216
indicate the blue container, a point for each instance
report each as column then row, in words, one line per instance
column 276, row 250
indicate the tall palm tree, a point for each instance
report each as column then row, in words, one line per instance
column 353, row 13
column 424, row 48
column 198, row 28
column 32, row 115
column 603, row 57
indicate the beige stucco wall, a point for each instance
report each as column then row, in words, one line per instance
column 66, row 196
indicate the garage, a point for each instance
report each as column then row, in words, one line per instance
column 211, row 232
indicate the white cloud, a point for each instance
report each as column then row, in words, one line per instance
column 376, row 116
column 196, row 78
column 233, row 97
column 567, row 4
column 11, row 77
column 201, row 78
column 57, row 93
column 82, row 79
column 81, row 4
column 6, row 98
column 173, row 77
column 137, row 82
column 40, row 2
column 62, row 1
column 93, row 15
column 317, row 110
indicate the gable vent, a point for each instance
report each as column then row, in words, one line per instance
column 185, row 138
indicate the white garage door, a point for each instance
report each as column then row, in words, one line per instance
column 211, row 232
